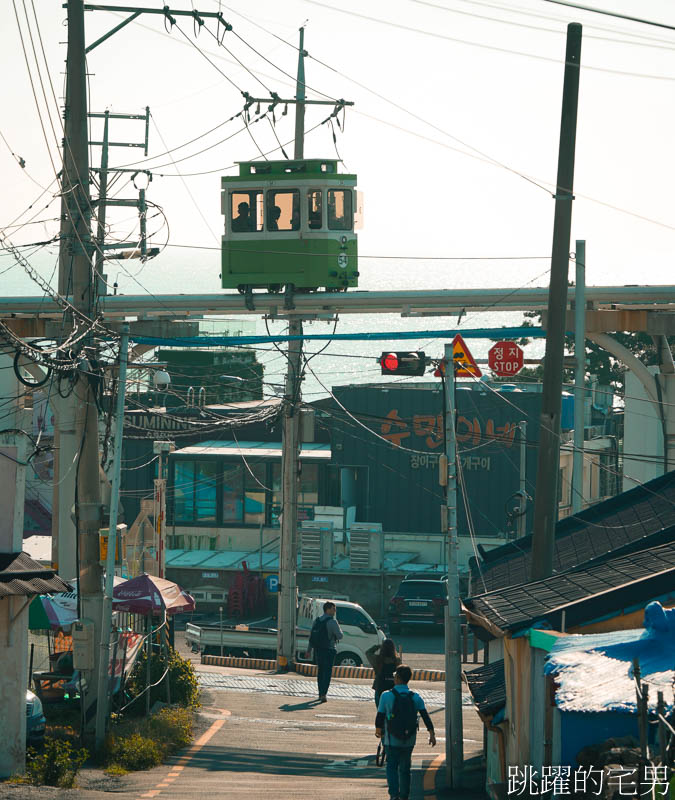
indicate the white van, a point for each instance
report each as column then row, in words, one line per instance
column 359, row 628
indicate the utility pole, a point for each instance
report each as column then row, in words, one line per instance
column 579, row 376
column 546, row 497
column 101, row 206
column 290, row 462
column 454, row 729
column 290, row 441
column 522, row 487
column 161, row 450
column 76, row 278
column 300, row 98
column 106, row 615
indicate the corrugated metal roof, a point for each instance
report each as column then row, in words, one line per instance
column 20, row 576
column 583, row 594
column 634, row 520
column 308, row 451
column 187, row 558
column 487, row 687
column 220, row 559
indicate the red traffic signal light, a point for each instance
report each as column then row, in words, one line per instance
column 403, row 363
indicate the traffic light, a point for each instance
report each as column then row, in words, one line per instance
column 405, row 363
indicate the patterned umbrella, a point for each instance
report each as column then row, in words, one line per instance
column 45, row 614
column 147, row 594
column 56, row 610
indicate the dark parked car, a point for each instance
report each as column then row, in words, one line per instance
column 418, row 600
column 35, row 720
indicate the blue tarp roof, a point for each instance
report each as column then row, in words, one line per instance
column 594, row 672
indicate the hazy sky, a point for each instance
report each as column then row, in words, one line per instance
column 447, row 94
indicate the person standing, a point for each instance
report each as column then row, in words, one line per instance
column 396, row 723
column 242, row 222
column 384, row 660
column 323, row 639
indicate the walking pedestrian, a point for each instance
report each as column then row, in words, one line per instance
column 384, row 660
column 323, row 639
column 396, row 723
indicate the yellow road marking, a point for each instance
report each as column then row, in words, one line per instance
column 176, row 769
column 430, row 776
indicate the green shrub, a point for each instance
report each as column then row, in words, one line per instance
column 115, row 771
column 172, row 727
column 56, row 765
column 182, row 680
column 144, row 743
column 134, row 752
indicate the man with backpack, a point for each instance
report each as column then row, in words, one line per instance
column 323, row 640
column 396, row 723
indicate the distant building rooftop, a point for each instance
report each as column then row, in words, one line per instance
column 312, row 451
column 234, row 559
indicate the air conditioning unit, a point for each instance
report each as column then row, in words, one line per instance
column 366, row 546
column 316, row 544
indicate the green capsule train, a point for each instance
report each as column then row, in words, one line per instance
column 290, row 224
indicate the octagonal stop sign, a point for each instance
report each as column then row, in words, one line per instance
column 505, row 359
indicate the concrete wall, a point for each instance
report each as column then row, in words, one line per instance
column 371, row 590
column 642, row 434
column 13, row 684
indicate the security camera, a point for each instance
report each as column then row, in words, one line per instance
column 161, row 379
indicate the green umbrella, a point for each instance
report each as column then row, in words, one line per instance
column 37, row 616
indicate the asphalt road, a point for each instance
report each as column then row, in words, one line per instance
column 277, row 743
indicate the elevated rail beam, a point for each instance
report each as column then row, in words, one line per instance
column 406, row 303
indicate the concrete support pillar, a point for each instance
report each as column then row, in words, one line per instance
column 666, row 392
column 13, row 683
column 66, row 450
column 667, row 383
column 13, row 610
column 658, row 385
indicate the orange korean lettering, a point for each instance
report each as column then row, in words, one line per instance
column 464, row 429
column 506, row 433
column 395, row 422
column 430, row 427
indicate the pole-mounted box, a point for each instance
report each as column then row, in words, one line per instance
column 120, row 544
column 161, row 447
column 83, row 644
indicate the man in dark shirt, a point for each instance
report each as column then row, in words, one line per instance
column 242, row 222
column 399, row 751
column 325, row 648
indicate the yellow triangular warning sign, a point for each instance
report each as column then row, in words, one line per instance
column 465, row 365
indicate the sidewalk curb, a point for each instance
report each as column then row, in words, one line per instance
column 311, row 670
